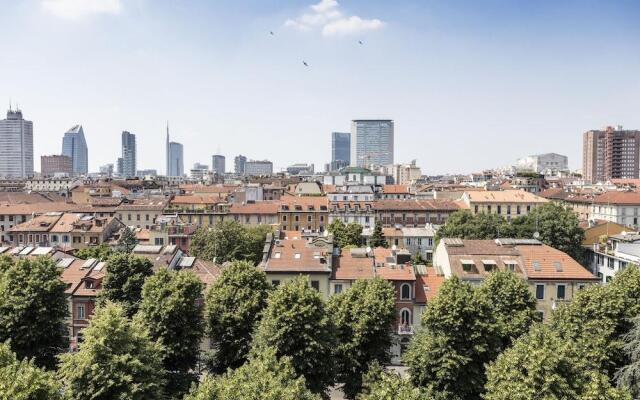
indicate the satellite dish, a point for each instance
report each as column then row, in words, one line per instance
column 536, row 235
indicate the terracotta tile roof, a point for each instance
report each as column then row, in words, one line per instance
column 105, row 201
column 417, row 205
column 209, row 188
column 348, row 267
column 428, row 284
column 259, row 207
column 389, row 271
column 305, row 201
column 504, row 196
column 195, row 199
column 481, row 247
column 206, row 271
column 144, row 205
column 37, row 208
column 628, row 198
column 396, row 189
column 294, row 255
column 41, row 223
column 545, row 262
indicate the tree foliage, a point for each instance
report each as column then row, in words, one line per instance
column 363, row 316
column 296, row 325
column 128, row 240
column 382, row 385
column 235, row 303
column 229, row 241
column 23, row 380
column 377, row 237
column 263, row 377
column 101, row 252
column 348, row 235
column 117, row 360
column 124, row 279
column 171, row 309
column 33, row 309
column 629, row 375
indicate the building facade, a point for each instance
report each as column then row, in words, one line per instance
column 258, row 168
column 16, row 146
column 371, row 142
column 74, row 146
column 612, row 153
column 128, row 169
column 218, row 164
column 175, row 158
column 546, row 164
column 340, row 149
column 239, row 164
column 56, row 165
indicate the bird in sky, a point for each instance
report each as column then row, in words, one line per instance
column 360, row 41
column 271, row 32
column 305, row 63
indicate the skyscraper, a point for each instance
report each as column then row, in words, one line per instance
column 128, row 155
column 612, row 153
column 218, row 164
column 16, row 146
column 371, row 142
column 340, row 148
column 175, row 157
column 75, row 146
column 238, row 164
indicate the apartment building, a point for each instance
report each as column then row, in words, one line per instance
column 620, row 207
column 611, row 153
column 303, row 213
column 507, row 203
column 415, row 212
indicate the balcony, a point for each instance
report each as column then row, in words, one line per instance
column 405, row 329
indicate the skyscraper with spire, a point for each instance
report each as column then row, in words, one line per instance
column 175, row 157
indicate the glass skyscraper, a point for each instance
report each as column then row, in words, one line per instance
column 128, row 167
column 340, row 148
column 16, row 146
column 74, row 146
column 371, row 142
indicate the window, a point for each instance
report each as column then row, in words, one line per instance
column 581, row 286
column 540, row 315
column 561, row 292
column 518, row 210
column 296, row 218
column 337, row 288
column 80, row 311
column 275, row 282
column 65, row 238
column 499, row 209
column 540, row 291
column 308, row 218
column 475, row 209
column 508, row 210
column 137, row 217
column 284, row 218
column 405, row 291
column 146, row 217
column 610, row 262
column 315, row 285
column 405, row 317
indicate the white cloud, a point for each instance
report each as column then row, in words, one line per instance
column 327, row 17
column 77, row 9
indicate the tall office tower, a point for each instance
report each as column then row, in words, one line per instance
column 371, row 142
column 128, row 154
column 56, row 164
column 612, row 153
column 119, row 166
column 175, row 157
column 238, row 164
column 218, row 164
column 16, row 146
column 340, row 149
column 75, row 146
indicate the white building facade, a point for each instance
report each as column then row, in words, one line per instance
column 16, row 146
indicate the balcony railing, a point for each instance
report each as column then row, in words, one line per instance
column 405, row 329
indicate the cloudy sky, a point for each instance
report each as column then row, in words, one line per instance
column 470, row 84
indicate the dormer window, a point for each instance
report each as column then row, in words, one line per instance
column 277, row 254
column 88, row 284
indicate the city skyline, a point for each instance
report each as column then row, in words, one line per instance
column 454, row 77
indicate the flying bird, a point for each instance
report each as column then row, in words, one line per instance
column 360, row 41
column 305, row 63
column 271, row 32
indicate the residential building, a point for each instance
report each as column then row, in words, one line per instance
column 553, row 276
column 197, row 209
column 340, row 150
column 239, row 164
column 306, row 213
column 56, row 165
column 175, row 157
column 405, row 174
column 258, row 213
column 396, row 192
column 359, row 212
column 128, row 169
column 545, row 164
column 417, row 241
column 74, row 146
column 199, row 172
column 16, row 146
column 371, row 142
column 62, row 185
column 355, row 175
column 415, row 212
column 258, row 168
column 171, row 230
column 141, row 213
column 106, row 170
column 18, row 213
column 620, row 207
column 613, row 255
column 507, row 203
column 218, row 164
column 612, row 153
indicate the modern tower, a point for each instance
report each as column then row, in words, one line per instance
column 239, row 164
column 218, row 164
column 75, row 146
column 340, row 149
column 175, row 157
column 612, row 153
column 16, row 146
column 128, row 154
column 371, row 142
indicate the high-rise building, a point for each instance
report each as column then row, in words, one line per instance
column 340, row 149
column 128, row 155
column 371, row 142
column 16, row 146
column 199, row 171
column 258, row 168
column 56, row 164
column 218, row 164
column 612, row 153
column 175, row 157
column 106, row 170
column 239, row 164
column 119, row 166
column 74, row 146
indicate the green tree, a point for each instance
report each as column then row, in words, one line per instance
column 457, row 338
column 377, row 237
column 263, row 377
column 363, row 316
column 116, row 360
column 127, row 240
column 235, row 303
column 629, row 375
column 465, row 225
column 101, row 252
column 123, row 280
column 33, row 309
column 381, row 385
column 171, row 309
column 229, row 241
column 296, row 325
column 23, row 380
column 348, row 235
column 598, row 387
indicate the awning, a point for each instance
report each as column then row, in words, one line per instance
column 489, row 262
column 467, row 262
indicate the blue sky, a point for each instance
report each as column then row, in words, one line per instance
column 470, row 84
